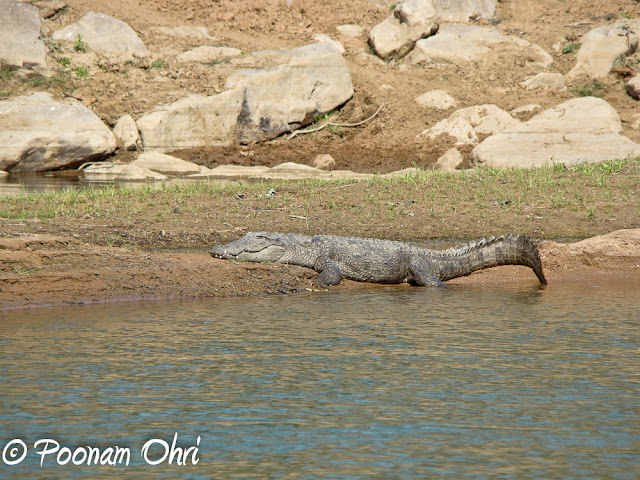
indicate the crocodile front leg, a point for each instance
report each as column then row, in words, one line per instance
column 330, row 274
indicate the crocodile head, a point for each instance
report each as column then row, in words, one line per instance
column 253, row 247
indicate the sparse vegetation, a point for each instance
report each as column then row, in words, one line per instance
column 594, row 89
column 570, row 48
column 80, row 45
column 81, row 72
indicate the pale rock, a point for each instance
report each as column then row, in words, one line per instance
column 439, row 99
column 237, row 171
column 635, row 121
column 208, row 54
column 127, row 172
column 458, row 43
column 38, row 133
column 324, row 162
column 527, row 150
column 105, row 35
column 396, row 36
column 466, row 124
column 126, row 131
column 603, row 47
column 578, row 130
column 633, row 87
column 321, row 37
column 350, row 30
column 166, row 164
column 544, row 80
column 259, row 104
column 578, row 115
column 451, row 159
column 20, row 44
column 456, row 127
column 405, row 172
column 3, row 174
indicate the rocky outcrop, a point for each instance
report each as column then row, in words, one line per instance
column 259, row 104
column 125, row 172
column 467, row 123
column 605, row 46
column 579, row 130
column 38, row 133
column 459, row 43
column 396, row 36
column 106, row 36
column 20, row 44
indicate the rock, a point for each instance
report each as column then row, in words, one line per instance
column 105, row 35
column 108, row 171
column 603, row 47
column 405, row 172
column 321, row 37
column 578, row 115
column 259, row 104
column 457, row 127
column 166, row 164
column 206, row 54
column 237, row 171
column 439, row 99
column 20, row 44
column 350, row 30
column 3, row 174
column 545, row 80
column 633, row 87
column 38, row 133
column 467, row 123
column 451, row 11
column 458, row 43
column 396, row 36
column 451, row 159
column 324, row 162
column 635, row 121
column 579, row 130
column 126, row 132
column 284, row 171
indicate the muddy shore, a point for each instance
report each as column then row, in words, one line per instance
column 60, row 270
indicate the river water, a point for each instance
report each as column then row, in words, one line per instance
column 393, row 383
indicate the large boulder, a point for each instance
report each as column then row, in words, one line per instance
column 259, row 104
column 38, row 133
column 579, row 130
column 458, row 43
column 603, row 47
column 106, row 36
column 396, row 36
column 20, row 44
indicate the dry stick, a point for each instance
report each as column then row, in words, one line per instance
column 314, row 130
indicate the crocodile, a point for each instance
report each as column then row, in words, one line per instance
column 381, row 261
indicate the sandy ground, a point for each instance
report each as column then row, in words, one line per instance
column 56, row 270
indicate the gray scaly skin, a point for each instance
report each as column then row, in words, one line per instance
column 381, row 261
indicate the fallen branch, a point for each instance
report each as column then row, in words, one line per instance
column 324, row 125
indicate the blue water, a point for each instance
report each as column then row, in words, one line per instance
column 406, row 383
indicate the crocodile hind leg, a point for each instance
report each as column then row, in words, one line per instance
column 330, row 274
column 419, row 274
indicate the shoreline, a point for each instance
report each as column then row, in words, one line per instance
column 59, row 270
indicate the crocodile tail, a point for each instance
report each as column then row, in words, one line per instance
column 510, row 249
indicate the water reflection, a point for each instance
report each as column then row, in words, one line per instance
column 460, row 382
